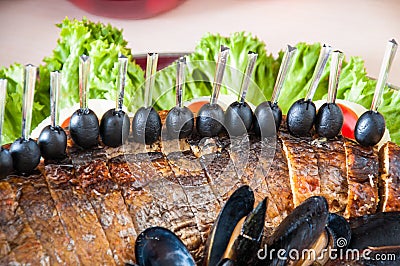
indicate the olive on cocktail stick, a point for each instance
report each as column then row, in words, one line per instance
column 238, row 115
column 370, row 126
column 53, row 140
column 115, row 124
column 329, row 119
column 210, row 118
column 84, row 124
column 262, row 114
column 6, row 162
column 24, row 151
column 180, row 119
column 302, row 114
column 146, row 124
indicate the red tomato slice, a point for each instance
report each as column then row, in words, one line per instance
column 195, row 107
column 349, row 123
column 65, row 124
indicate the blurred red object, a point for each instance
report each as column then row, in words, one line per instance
column 126, row 9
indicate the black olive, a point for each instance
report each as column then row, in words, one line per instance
column 277, row 113
column 329, row 120
column 210, row 120
column 179, row 122
column 84, row 128
column 52, row 143
column 264, row 120
column 25, row 154
column 369, row 128
column 301, row 117
column 114, row 128
column 238, row 118
column 146, row 126
column 6, row 163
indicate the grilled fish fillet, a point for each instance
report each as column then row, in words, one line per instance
column 104, row 197
column 389, row 158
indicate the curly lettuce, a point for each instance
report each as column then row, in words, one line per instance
column 103, row 43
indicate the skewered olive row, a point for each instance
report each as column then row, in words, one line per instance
column 25, row 153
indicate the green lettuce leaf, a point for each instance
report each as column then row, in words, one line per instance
column 354, row 84
column 201, row 70
column 13, row 110
column 103, row 43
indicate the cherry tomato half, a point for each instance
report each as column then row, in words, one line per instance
column 349, row 123
column 195, row 107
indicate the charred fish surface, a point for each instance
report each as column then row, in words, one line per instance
column 107, row 202
column 362, row 174
column 21, row 239
column 389, row 182
column 182, row 185
column 36, row 202
column 78, row 215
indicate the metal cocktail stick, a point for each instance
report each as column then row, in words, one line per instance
column 55, row 83
column 3, row 94
column 151, row 69
column 219, row 73
column 84, row 71
column 180, row 80
column 336, row 67
column 122, row 69
column 319, row 69
column 391, row 49
column 29, row 90
column 252, row 58
column 282, row 74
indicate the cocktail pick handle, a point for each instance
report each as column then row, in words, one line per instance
column 180, row 80
column 219, row 73
column 391, row 49
column 251, row 62
column 27, row 105
column 84, row 71
column 336, row 67
column 287, row 62
column 3, row 95
column 319, row 69
column 122, row 69
column 55, row 83
column 151, row 69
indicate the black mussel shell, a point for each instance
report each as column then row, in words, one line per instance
column 301, row 117
column 6, row 163
column 146, row 126
column 157, row 246
column 84, row 128
column 238, row 118
column 210, row 120
column 25, row 154
column 239, row 205
column 226, row 262
column 246, row 246
column 375, row 230
column 179, row 122
column 264, row 120
column 300, row 229
column 114, row 128
column 369, row 128
column 52, row 142
column 329, row 120
column 277, row 113
column 339, row 231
